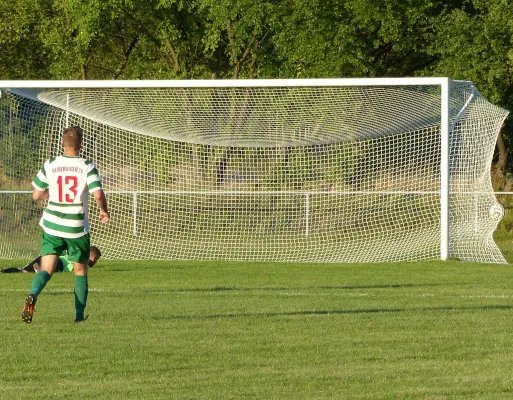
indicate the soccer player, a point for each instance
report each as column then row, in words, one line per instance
column 63, row 263
column 66, row 181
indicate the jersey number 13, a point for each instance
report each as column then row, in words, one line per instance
column 67, row 188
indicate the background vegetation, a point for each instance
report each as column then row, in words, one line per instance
column 205, row 39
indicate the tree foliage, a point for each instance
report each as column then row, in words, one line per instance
column 205, row 39
column 475, row 42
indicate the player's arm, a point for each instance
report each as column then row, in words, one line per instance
column 40, row 185
column 38, row 194
column 101, row 201
column 95, row 188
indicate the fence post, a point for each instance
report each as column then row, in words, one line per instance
column 135, row 213
column 307, row 214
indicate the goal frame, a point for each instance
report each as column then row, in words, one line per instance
column 442, row 82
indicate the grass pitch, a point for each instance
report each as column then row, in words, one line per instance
column 216, row 330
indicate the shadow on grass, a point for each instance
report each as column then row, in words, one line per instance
column 335, row 312
column 59, row 292
column 277, row 288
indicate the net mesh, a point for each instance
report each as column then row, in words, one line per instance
column 309, row 174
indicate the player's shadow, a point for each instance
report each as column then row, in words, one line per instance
column 282, row 288
column 336, row 312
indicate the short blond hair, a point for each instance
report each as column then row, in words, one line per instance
column 72, row 137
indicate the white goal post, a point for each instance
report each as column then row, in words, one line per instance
column 308, row 170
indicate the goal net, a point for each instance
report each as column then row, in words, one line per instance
column 345, row 170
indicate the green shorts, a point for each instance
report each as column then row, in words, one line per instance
column 78, row 249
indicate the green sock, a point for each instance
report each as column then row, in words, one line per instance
column 81, row 289
column 39, row 282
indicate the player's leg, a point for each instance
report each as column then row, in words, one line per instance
column 48, row 263
column 51, row 246
column 78, row 250
column 30, row 267
column 10, row 270
column 33, row 266
column 81, row 290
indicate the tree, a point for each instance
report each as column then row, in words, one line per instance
column 92, row 40
column 358, row 38
column 239, row 32
column 22, row 53
column 205, row 39
column 475, row 42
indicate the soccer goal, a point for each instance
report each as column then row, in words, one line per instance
column 321, row 170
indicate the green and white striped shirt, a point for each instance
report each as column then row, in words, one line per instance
column 69, row 181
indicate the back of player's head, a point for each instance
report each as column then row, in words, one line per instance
column 94, row 255
column 72, row 137
column 95, row 252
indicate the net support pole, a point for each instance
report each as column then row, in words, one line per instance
column 444, row 171
column 135, row 213
column 67, row 111
column 307, row 214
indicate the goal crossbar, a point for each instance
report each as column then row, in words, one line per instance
column 218, row 83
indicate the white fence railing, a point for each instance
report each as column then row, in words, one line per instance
column 307, row 195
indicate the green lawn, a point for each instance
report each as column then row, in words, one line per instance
column 219, row 330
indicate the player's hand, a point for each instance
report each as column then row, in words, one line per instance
column 104, row 216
